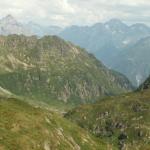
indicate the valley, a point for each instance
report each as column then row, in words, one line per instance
column 75, row 87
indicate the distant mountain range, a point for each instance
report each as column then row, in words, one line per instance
column 43, row 30
column 109, row 41
column 116, row 44
column 9, row 25
column 105, row 40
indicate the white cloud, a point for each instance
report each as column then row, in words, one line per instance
column 81, row 12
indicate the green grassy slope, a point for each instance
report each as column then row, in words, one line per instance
column 24, row 127
column 50, row 69
column 122, row 120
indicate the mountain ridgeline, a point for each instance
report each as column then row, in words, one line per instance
column 105, row 40
column 51, row 69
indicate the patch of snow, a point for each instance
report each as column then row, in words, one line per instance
column 138, row 79
column 125, row 42
column 131, row 59
column 120, row 31
column 114, row 32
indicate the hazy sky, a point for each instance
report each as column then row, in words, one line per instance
column 80, row 12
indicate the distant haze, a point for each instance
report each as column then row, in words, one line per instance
column 78, row 12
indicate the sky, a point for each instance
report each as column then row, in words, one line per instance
column 76, row 12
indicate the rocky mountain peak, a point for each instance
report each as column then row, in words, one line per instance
column 9, row 19
column 116, row 24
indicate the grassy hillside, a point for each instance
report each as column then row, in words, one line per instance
column 24, row 127
column 122, row 120
column 52, row 70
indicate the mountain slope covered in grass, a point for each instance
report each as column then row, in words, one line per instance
column 25, row 127
column 50, row 69
column 121, row 120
